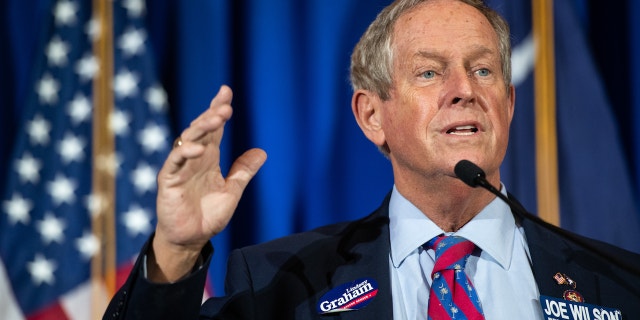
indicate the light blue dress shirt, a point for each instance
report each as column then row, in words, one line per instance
column 500, row 270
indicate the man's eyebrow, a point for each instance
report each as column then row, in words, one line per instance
column 481, row 51
column 429, row 55
column 476, row 51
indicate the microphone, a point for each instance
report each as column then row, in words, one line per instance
column 474, row 176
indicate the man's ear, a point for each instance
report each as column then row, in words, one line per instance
column 367, row 109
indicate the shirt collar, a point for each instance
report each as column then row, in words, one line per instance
column 492, row 230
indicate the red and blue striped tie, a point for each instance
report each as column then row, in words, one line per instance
column 452, row 295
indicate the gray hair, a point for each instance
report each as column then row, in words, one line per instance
column 372, row 58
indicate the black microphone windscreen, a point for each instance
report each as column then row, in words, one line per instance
column 468, row 172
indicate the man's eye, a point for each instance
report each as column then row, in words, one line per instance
column 483, row 72
column 429, row 74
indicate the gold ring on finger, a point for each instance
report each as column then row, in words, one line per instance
column 177, row 142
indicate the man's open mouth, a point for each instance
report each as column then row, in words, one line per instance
column 463, row 130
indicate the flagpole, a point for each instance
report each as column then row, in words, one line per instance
column 545, row 113
column 103, row 264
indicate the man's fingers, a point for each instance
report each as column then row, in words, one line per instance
column 208, row 122
column 223, row 96
column 212, row 119
column 245, row 168
column 206, row 128
column 180, row 155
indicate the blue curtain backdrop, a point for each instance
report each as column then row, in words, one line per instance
column 287, row 61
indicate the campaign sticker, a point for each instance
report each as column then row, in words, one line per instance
column 558, row 309
column 349, row 296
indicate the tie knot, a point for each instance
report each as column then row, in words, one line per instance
column 451, row 252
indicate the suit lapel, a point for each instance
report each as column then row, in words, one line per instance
column 367, row 250
column 551, row 254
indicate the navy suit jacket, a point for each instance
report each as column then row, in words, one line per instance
column 286, row 278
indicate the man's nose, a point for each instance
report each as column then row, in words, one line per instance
column 460, row 89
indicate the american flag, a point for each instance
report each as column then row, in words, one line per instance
column 46, row 238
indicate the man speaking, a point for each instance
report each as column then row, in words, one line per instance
column 432, row 87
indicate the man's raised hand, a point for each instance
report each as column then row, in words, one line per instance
column 195, row 200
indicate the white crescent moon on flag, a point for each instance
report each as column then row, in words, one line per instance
column 523, row 60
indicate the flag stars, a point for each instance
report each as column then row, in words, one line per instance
column 137, row 221
column 87, row 67
column 135, row 8
column 152, row 138
column 143, row 178
column 41, row 270
column 51, row 196
column 38, row 130
column 62, row 190
column 79, row 109
column 88, row 245
column 119, row 122
column 57, row 51
column 92, row 29
column 47, row 89
column 125, row 84
column 132, row 42
column 156, row 97
column 71, row 148
column 65, row 13
column 28, row 168
column 51, row 229
column 18, row 209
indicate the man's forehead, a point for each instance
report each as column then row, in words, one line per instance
column 438, row 12
column 450, row 20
